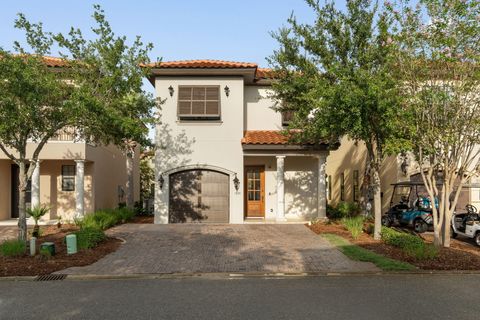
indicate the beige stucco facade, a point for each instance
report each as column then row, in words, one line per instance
column 105, row 176
column 351, row 156
column 216, row 145
column 296, row 181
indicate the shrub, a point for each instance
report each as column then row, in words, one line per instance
column 349, row 209
column 104, row 219
column 411, row 244
column 36, row 213
column 89, row 237
column 354, row 225
column 12, row 248
column 343, row 209
column 333, row 213
column 125, row 214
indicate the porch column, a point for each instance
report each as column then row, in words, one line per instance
column 79, row 188
column 322, row 190
column 280, row 189
column 36, row 185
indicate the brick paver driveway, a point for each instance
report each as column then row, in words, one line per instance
column 190, row 248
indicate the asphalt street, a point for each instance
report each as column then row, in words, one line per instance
column 313, row 297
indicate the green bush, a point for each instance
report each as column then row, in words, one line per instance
column 104, row 219
column 354, row 225
column 12, row 248
column 411, row 244
column 89, row 237
column 343, row 209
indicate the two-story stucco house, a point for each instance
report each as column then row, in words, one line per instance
column 236, row 166
column 221, row 156
column 72, row 177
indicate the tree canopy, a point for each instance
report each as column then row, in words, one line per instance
column 95, row 87
column 335, row 74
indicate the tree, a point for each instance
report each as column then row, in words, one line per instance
column 24, row 115
column 98, row 92
column 438, row 62
column 335, row 75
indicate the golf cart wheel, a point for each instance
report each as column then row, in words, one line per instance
column 477, row 239
column 453, row 233
column 420, row 226
column 386, row 221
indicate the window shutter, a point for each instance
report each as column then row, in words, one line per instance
column 199, row 102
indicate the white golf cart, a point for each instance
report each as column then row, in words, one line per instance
column 467, row 224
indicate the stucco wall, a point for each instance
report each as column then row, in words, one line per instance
column 259, row 114
column 56, row 151
column 300, row 186
column 62, row 203
column 110, row 171
column 102, row 178
column 352, row 156
column 215, row 143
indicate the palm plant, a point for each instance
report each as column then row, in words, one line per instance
column 36, row 213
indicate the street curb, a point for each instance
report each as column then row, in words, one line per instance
column 246, row 275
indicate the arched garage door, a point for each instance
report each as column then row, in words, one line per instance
column 199, row 196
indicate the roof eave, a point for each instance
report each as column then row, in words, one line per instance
column 247, row 73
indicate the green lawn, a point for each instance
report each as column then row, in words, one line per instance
column 355, row 252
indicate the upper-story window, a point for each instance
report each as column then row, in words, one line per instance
column 287, row 117
column 199, row 102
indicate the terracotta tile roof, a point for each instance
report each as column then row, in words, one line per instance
column 264, row 73
column 275, row 137
column 203, row 64
column 55, row 62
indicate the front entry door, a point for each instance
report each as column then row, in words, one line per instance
column 16, row 193
column 255, row 192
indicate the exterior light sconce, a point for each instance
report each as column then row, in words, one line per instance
column 160, row 182
column 236, row 182
column 171, row 91
column 227, row 91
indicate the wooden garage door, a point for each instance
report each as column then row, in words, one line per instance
column 199, row 196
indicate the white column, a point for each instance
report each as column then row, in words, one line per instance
column 322, row 191
column 280, row 189
column 80, row 188
column 36, row 185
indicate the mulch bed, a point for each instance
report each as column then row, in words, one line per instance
column 39, row 265
column 142, row 219
column 462, row 255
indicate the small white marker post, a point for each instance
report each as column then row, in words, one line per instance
column 33, row 247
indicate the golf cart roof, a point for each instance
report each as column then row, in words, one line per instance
column 420, row 183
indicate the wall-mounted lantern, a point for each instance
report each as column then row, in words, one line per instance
column 171, row 91
column 161, row 181
column 227, row 91
column 236, row 182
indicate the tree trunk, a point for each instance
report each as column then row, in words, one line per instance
column 377, row 203
column 129, row 186
column 22, row 206
column 446, row 229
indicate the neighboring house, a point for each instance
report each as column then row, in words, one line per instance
column 72, row 177
column 346, row 168
column 236, row 166
column 222, row 158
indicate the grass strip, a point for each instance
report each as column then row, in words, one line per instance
column 357, row 253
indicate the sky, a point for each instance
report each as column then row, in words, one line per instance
column 237, row 30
